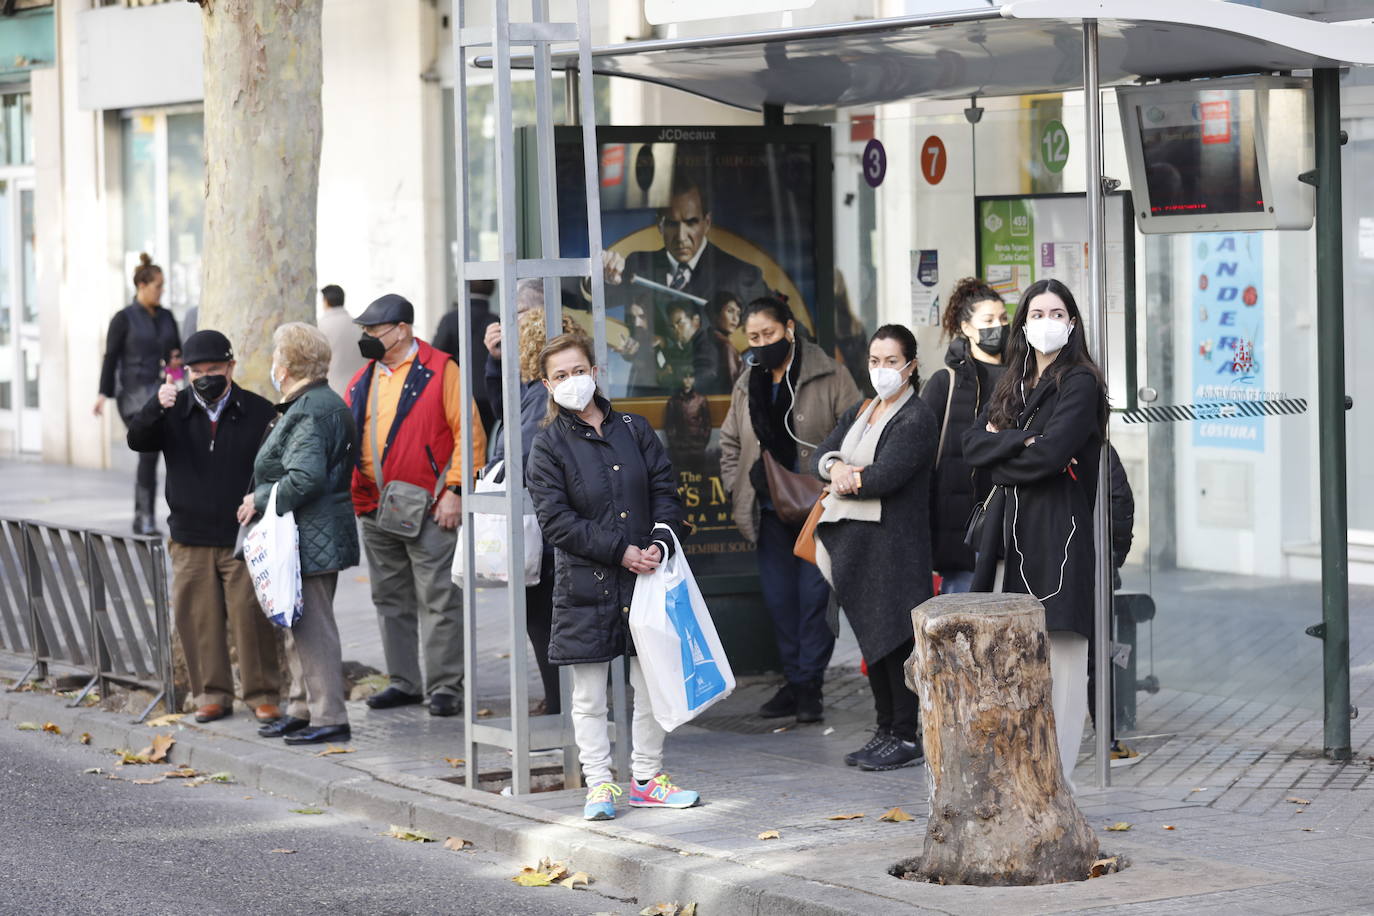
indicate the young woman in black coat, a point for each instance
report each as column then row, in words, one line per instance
column 878, row 462
column 606, row 497
column 1040, row 438
column 976, row 323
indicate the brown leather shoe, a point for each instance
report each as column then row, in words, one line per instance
column 267, row 712
column 212, row 711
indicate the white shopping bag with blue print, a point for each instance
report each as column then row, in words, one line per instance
column 272, row 551
column 680, row 654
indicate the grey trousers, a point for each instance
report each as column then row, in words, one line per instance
column 314, row 657
column 418, row 606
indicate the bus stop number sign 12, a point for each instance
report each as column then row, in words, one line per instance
column 1054, row 146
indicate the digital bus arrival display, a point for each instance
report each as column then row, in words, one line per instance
column 1200, row 154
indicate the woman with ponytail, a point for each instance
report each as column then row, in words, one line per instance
column 976, row 323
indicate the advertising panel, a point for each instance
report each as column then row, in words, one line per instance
column 1228, row 335
column 702, row 221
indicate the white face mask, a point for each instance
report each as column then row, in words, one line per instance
column 1047, row 335
column 887, row 382
column 276, row 382
column 575, row 392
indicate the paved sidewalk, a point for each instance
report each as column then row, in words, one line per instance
column 1220, row 770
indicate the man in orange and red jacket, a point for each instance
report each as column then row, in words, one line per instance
column 408, row 404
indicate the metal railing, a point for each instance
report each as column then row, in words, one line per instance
column 91, row 600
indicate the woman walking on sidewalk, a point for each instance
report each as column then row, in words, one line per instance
column 1040, row 438
column 605, row 493
column 139, row 337
column 876, row 521
column 976, row 323
column 786, row 400
column 309, row 454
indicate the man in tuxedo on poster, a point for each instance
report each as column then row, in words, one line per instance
column 688, row 262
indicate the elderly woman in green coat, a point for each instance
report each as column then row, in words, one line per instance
column 309, row 454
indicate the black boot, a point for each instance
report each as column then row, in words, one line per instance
column 809, row 706
column 144, row 514
column 783, row 704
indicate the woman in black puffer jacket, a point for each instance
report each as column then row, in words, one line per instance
column 976, row 323
column 607, row 500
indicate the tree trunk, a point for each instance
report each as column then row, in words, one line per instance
column 1000, row 811
column 263, row 115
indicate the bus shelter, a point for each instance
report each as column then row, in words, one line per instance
column 1177, row 164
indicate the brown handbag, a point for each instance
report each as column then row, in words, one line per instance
column 792, row 494
column 805, row 548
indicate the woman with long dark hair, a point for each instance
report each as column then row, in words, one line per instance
column 874, row 522
column 784, row 403
column 976, row 323
column 1040, row 438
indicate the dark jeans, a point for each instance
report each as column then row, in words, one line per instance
column 538, row 626
column 797, row 597
column 898, row 708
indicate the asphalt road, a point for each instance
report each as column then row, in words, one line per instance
column 78, row 843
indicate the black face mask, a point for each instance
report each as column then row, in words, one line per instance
column 371, row 347
column 211, row 387
column 992, row 340
column 774, row 354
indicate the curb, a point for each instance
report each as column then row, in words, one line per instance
column 637, row 864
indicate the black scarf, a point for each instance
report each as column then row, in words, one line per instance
column 770, row 421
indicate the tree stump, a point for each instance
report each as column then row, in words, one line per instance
column 1000, row 811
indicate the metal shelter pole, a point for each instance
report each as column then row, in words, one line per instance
column 1331, row 407
column 1097, row 321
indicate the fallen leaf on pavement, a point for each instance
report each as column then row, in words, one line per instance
column 1104, row 867
column 52, row 728
column 127, row 756
column 576, row 880
column 85, row 738
column 1169, row 827
column 182, row 772
column 157, row 751
column 94, row 771
column 163, row 721
column 669, row 909
column 307, row 811
column 1298, row 801
column 532, row 877
column 332, row 749
column 896, row 816
column 483, row 713
column 150, row 781
column 770, row 835
column 1120, row 826
column 410, row 836
column 286, row 852
column 457, row 843
column 454, row 761
column 27, row 726
column 222, row 776
column 844, row 817
column 554, row 870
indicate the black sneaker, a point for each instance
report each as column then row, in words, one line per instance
column 893, row 754
column 809, row 706
column 784, row 703
column 879, row 736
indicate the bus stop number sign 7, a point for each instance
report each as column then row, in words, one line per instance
column 933, row 159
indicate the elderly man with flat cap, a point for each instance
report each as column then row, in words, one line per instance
column 409, row 407
column 209, row 434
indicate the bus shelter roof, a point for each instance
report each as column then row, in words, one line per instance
column 1022, row 47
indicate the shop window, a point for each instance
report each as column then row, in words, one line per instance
column 16, row 128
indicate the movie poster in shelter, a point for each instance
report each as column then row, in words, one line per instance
column 702, row 221
column 1228, row 335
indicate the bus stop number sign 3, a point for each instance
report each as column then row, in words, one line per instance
column 875, row 163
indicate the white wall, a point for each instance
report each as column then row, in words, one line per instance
column 381, row 166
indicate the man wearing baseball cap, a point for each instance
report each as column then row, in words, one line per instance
column 409, row 408
column 209, row 434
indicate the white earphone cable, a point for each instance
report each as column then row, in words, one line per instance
column 1016, row 543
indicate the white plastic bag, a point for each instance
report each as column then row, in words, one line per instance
column 272, row 551
column 490, row 548
column 684, row 664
